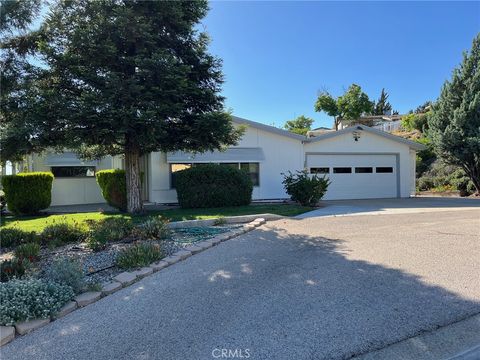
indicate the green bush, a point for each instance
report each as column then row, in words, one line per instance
column 10, row 237
column 68, row 272
column 22, row 300
column 139, row 255
column 29, row 251
column 11, row 269
column 211, row 185
column 3, row 202
column 28, row 193
column 62, row 233
column 108, row 230
column 153, row 228
column 114, row 187
column 306, row 189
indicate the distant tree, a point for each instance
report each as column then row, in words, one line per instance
column 350, row 106
column 382, row 106
column 424, row 108
column 301, row 125
column 454, row 126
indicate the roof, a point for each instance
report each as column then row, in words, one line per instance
column 234, row 154
column 412, row 144
column 268, row 128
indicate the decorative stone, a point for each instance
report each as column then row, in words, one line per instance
column 172, row 259
column 87, row 298
column 249, row 227
column 183, row 254
column 111, row 287
column 260, row 221
column 159, row 265
column 7, row 334
column 193, row 249
column 30, row 325
column 66, row 309
column 141, row 273
column 125, row 278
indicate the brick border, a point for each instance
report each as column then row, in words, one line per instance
column 123, row 280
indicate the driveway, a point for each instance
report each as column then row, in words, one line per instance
column 318, row 288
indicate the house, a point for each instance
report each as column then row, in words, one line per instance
column 362, row 162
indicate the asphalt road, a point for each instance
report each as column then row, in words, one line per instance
column 318, row 288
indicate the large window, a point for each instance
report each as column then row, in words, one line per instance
column 73, row 171
column 253, row 169
column 173, row 169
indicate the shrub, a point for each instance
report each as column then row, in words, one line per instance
column 3, row 202
column 10, row 237
column 28, row 193
column 114, row 187
column 62, row 233
column 425, row 183
column 212, row 185
column 108, row 230
column 139, row 255
column 29, row 251
column 22, row 300
column 153, row 228
column 68, row 272
column 304, row 188
column 10, row 269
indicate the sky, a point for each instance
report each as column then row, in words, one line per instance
column 277, row 56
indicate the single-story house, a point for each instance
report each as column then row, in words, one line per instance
column 360, row 161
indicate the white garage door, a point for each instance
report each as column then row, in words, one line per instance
column 356, row 176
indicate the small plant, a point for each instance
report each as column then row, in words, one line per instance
column 153, row 228
column 68, row 272
column 219, row 221
column 306, row 189
column 62, row 233
column 11, row 269
column 139, row 255
column 108, row 230
column 29, row 251
column 22, row 300
column 10, row 237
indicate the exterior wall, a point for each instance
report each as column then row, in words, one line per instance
column 370, row 144
column 281, row 155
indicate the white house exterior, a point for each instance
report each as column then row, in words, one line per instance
column 361, row 163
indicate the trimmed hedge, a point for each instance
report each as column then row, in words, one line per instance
column 28, row 193
column 113, row 183
column 212, row 185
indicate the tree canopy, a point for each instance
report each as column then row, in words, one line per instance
column 382, row 106
column 454, row 125
column 301, row 125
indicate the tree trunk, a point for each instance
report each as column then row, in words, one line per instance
column 132, row 172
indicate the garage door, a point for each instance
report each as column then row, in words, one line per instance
column 357, row 176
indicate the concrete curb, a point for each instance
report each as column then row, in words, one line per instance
column 226, row 220
column 126, row 278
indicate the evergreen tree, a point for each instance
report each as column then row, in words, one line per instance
column 382, row 106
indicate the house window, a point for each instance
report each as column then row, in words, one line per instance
column 253, row 169
column 384, row 170
column 342, row 170
column 73, row 171
column 319, row 170
column 173, row 169
column 363, row 170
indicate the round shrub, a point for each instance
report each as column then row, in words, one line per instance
column 306, row 189
column 22, row 300
column 153, row 228
column 212, row 185
column 139, row 255
column 11, row 269
column 29, row 251
column 28, row 193
column 62, row 233
column 68, row 272
column 113, row 184
column 10, row 237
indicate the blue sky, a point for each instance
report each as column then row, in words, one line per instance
column 277, row 56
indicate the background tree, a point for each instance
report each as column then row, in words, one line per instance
column 382, row 106
column 454, row 125
column 301, row 125
column 126, row 78
column 350, row 106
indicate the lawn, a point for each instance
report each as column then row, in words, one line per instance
column 37, row 223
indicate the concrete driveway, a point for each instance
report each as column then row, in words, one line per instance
column 318, row 288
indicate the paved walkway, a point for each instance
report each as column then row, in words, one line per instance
column 319, row 288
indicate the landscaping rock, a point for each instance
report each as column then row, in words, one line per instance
column 159, row 265
column 125, row 278
column 7, row 334
column 87, row 298
column 111, row 287
column 30, row 325
column 193, row 249
column 172, row 259
column 141, row 273
column 183, row 254
column 66, row 309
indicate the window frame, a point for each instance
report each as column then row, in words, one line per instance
column 342, row 172
column 384, row 172
column 359, row 168
column 320, row 172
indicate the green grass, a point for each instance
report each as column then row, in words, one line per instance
column 38, row 223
